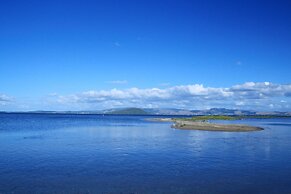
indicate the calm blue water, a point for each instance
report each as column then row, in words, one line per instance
column 43, row 153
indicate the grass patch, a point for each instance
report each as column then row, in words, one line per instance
column 225, row 117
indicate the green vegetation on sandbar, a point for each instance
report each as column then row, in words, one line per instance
column 212, row 117
column 225, row 117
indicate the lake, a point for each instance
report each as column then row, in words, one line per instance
column 59, row 153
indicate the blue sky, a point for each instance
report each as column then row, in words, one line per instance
column 74, row 55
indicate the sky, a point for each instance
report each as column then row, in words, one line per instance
column 92, row 55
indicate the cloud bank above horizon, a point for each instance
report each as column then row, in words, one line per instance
column 250, row 95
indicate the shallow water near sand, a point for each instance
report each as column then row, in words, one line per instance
column 49, row 153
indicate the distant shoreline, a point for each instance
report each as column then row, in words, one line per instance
column 163, row 112
column 235, row 117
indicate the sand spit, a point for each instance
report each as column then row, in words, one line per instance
column 204, row 125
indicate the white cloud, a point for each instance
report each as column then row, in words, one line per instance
column 250, row 95
column 261, row 90
column 5, row 98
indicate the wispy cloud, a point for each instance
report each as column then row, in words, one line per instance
column 118, row 82
column 250, row 95
column 117, row 44
column 238, row 63
column 4, row 99
column 165, row 84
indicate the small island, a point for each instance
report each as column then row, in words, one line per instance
column 202, row 123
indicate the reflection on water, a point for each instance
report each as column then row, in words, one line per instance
column 126, row 154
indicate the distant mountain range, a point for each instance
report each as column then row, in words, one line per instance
column 173, row 111
column 169, row 111
column 126, row 111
